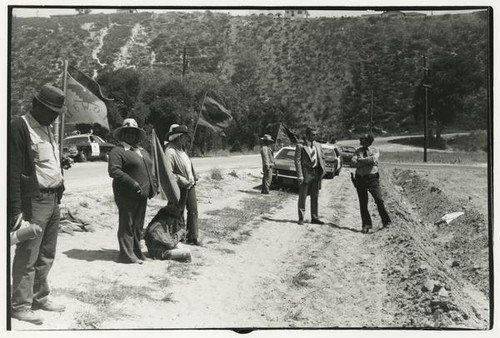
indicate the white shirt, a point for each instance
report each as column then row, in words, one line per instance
column 46, row 153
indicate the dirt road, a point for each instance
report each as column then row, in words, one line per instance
column 258, row 268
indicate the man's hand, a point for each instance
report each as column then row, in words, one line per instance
column 183, row 182
column 301, row 180
column 137, row 188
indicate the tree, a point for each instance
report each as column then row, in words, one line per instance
column 82, row 11
column 454, row 79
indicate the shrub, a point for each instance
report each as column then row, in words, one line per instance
column 216, row 174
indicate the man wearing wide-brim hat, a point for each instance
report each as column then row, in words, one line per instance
column 35, row 190
column 131, row 168
column 267, row 162
column 185, row 177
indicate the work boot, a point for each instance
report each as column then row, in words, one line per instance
column 194, row 241
column 48, row 306
column 27, row 315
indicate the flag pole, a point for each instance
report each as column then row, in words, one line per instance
column 199, row 115
column 61, row 127
column 277, row 134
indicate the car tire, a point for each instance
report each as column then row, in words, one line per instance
column 328, row 176
column 83, row 156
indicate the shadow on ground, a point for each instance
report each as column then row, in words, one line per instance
column 93, row 255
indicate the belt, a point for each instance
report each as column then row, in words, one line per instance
column 50, row 191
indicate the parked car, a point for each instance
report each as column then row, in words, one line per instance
column 346, row 152
column 284, row 171
column 333, row 160
column 88, row 146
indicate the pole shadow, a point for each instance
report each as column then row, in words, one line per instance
column 333, row 225
column 251, row 192
column 279, row 220
column 109, row 255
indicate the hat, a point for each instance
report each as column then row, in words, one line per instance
column 176, row 131
column 267, row 138
column 129, row 124
column 52, row 98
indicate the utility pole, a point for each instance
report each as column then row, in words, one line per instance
column 184, row 61
column 371, row 113
column 426, row 89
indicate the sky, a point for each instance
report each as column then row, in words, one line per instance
column 44, row 12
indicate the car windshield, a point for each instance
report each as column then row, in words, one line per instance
column 97, row 139
column 329, row 151
column 76, row 139
column 348, row 149
column 288, row 154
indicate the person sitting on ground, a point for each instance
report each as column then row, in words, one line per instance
column 164, row 232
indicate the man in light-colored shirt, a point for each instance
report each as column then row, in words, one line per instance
column 185, row 176
column 365, row 160
column 267, row 162
column 35, row 191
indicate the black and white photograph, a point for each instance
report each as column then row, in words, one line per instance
column 248, row 168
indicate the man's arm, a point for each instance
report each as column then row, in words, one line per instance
column 17, row 147
column 298, row 163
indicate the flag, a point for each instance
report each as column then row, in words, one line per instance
column 167, row 182
column 84, row 100
column 214, row 115
column 285, row 136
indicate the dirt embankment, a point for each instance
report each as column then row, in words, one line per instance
column 438, row 273
column 258, row 268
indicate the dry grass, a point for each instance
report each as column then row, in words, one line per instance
column 434, row 157
column 233, row 224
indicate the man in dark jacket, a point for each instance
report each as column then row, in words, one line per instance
column 35, row 191
column 311, row 168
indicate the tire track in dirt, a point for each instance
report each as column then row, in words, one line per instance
column 334, row 279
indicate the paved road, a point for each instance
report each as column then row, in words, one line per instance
column 386, row 144
column 94, row 175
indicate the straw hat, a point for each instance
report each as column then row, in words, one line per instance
column 128, row 124
column 176, row 131
column 267, row 138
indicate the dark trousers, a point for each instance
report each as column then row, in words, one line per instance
column 311, row 188
column 363, row 185
column 131, row 214
column 188, row 201
column 266, row 180
column 33, row 258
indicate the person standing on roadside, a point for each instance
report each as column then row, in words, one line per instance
column 36, row 186
column 130, row 166
column 185, row 177
column 365, row 160
column 267, row 162
column 311, row 168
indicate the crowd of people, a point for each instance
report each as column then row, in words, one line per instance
column 36, row 187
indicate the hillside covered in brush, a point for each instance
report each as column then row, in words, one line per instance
column 329, row 72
